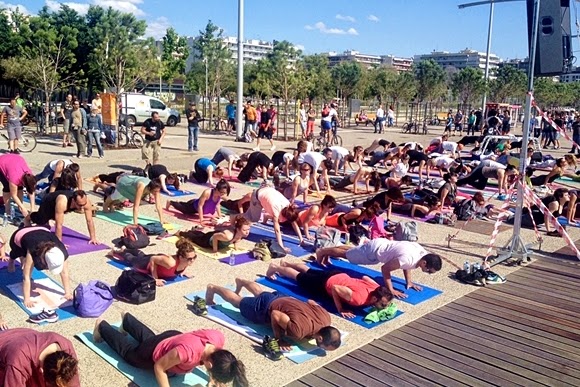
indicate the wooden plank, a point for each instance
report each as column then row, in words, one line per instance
column 484, row 318
column 479, row 352
column 553, row 272
column 535, row 314
column 530, row 289
column 300, row 383
column 517, row 336
column 356, row 377
column 543, row 281
column 506, row 351
column 362, row 362
column 333, row 378
column 448, row 358
column 568, row 273
column 313, row 380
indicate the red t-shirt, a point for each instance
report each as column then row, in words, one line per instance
column 20, row 350
column 360, row 288
column 189, row 347
column 13, row 167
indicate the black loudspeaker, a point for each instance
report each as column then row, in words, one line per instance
column 554, row 43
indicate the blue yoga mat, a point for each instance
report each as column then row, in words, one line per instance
column 141, row 377
column 289, row 287
column 176, row 193
column 260, row 231
column 564, row 222
column 414, row 297
column 7, row 279
column 227, row 315
column 122, row 266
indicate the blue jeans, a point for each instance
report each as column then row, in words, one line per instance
column 576, row 139
column 94, row 136
column 192, row 137
column 46, row 172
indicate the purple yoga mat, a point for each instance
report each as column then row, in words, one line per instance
column 4, row 264
column 78, row 243
column 240, row 258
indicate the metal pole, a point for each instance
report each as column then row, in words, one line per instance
column 240, row 91
column 516, row 244
column 205, row 99
column 487, row 53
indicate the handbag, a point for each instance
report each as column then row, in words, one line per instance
column 135, row 287
column 92, row 299
column 276, row 251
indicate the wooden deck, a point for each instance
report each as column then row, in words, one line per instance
column 525, row 332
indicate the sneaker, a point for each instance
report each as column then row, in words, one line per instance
column 494, row 279
column 199, row 307
column 273, row 147
column 44, row 316
column 256, row 149
column 553, row 233
column 502, row 197
column 271, row 348
column 16, row 151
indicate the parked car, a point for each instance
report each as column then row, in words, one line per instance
column 138, row 108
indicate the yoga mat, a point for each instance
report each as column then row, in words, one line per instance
column 142, row 378
column 289, row 287
column 46, row 292
column 192, row 218
column 241, row 258
column 564, row 222
column 175, row 192
column 125, row 218
column 222, row 254
column 259, row 232
column 77, row 243
column 122, row 266
column 229, row 316
column 414, row 297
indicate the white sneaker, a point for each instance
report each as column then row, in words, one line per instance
column 273, row 147
column 256, row 149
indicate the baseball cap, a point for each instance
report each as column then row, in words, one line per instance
column 54, row 260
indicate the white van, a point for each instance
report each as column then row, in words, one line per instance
column 139, row 107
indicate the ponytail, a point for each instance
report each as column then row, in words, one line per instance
column 226, row 368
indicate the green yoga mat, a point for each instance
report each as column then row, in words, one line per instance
column 142, row 378
column 124, row 218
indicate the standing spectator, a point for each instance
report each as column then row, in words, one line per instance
column 478, row 119
column 97, row 104
column 506, row 123
column 559, row 121
column 79, row 128
column 303, row 119
column 14, row 116
column 86, row 107
column 19, row 101
column 193, row 119
column 547, row 137
column 265, row 130
column 66, row 113
column 94, row 130
column 391, row 116
column 471, row 123
column 576, row 135
column 448, row 122
column 154, row 131
column 231, row 114
column 458, row 121
column 380, row 121
column 310, row 125
column 251, row 119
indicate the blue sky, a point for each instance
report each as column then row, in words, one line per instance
column 397, row 27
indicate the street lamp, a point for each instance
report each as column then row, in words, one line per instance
column 240, row 107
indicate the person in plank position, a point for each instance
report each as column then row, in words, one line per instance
column 343, row 289
column 288, row 316
column 392, row 254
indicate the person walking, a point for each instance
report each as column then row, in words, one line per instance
column 79, row 128
column 95, row 128
column 231, row 114
column 66, row 114
column 380, row 121
column 193, row 118
column 154, row 131
column 14, row 115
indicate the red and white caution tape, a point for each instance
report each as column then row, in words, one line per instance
column 553, row 124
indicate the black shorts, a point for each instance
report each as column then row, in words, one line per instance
column 6, row 184
column 384, row 143
column 232, row 121
column 314, row 281
column 257, row 309
column 265, row 133
column 42, row 216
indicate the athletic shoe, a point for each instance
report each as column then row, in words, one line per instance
column 256, row 149
column 44, row 316
column 494, row 279
column 271, row 348
column 502, row 197
column 273, row 147
column 199, row 307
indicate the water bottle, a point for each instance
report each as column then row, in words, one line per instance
column 476, row 266
column 347, row 238
column 440, row 218
column 467, row 267
column 232, row 258
column 5, row 219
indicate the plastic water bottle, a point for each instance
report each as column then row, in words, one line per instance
column 440, row 218
column 476, row 266
column 5, row 219
column 232, row 261
column 467, row 267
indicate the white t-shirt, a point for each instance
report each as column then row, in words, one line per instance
column 449, row 146
column 407, row 253
column 288, row 157
column 380, row 113
column 400, row 170
column 391, row 113
column 411, row 145
column 338, row 152
column 331, row 113
column 303, row 116
column 314, row 159
column 444, row 162
column 272, row 201
column 66, row 162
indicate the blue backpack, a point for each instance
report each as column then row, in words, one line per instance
column 92, row 299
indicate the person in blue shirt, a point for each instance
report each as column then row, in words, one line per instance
column 231, row 113
column 204, row 170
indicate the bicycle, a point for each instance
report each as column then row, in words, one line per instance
column 133, row 138
column 322, row 140
column 27, row 141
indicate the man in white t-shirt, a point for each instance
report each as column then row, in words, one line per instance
column 443, row 162
column 337, row 156
column 392, row 254
column 451, row 147
column 380, row 122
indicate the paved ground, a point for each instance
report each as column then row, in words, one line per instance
column 169, row 310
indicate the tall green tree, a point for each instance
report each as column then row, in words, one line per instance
column 430, row 78
column 546, row 92
column 173, row 56
column 382, row 80
column 468, row 85
column 403, row 87
column 318, row 78
column 257, row 79
column 346, row 76
column 509, row 83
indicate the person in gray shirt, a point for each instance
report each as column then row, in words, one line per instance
column 12, row 116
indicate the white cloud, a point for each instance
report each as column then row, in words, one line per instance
column 299, row 47
column 157, row 28
column 12, row 7
column 373, row 18
column 126, row 6
column 320, row 26
column 346, row 18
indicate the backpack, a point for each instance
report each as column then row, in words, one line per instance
column 326, row 237
column 406, row 231
column 262, row 252
column 135, row 287
column 153, row 228
column 134, row 237
column 139, row 172
column 358, row 234
column 325, row 112
column 377, row 227
column 465, row 210
column 92, row 299
column 276, row 251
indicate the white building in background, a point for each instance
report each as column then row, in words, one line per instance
column 335, row 58
column 461, row 59
column 398, row 63
column 572, row 76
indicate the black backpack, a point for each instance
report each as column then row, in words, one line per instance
column 135, row 287
column 465, row 210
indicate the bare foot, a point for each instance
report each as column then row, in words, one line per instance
column 123, row 331
column 209, row 293
column 96, row 334
column 272, row 270
column 320, row 257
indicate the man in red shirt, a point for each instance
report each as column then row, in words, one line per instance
column 343, row 289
